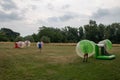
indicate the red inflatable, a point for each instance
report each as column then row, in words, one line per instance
column 16, row 45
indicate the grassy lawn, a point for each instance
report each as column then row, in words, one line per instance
column 55, row 62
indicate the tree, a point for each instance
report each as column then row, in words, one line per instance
column 64, row 32
column 46, row 31
column 3, row 37
column 80, row 33
column 114, row 31
column 45, row 39
column 11, row 35
column 54, row 34
column 72, row 34
column 92, row 23
column 101, row 32
column 29, row 37
column 91, row 31
column 19, row 38
column 35, row 37
column 117, row 37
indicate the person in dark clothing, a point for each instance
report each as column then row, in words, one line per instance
column 40, row 45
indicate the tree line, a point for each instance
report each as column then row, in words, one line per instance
column 92, row 31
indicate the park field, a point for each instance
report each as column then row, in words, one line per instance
column 56, row 61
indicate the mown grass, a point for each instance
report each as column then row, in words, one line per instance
column 55, row 62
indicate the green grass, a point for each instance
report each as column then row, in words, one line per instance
column 56, row 62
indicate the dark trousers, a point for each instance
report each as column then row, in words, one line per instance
column 85, row 59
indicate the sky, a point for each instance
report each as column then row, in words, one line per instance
column 26, row 16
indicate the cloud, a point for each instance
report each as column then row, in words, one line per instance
column 65, row 6
column 21, row 27
column 107, row 15
column 101, row 13
column 20, row 14
column 53, row 19
column 4, row 17
column 63, row 18
column 8, row 5
column 9, row 11
column 33, row 7
column 50, row 6
column 67, row 17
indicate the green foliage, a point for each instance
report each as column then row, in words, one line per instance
column 45, row 39
column 8, row 34
column 3, row 37
column 29, row 37
column 19, row 38
column 54, row 34
column 92, row 31
column 35, row 37
column 71, row 34
column 99, row 32
column 80, row 33
column 112, row 32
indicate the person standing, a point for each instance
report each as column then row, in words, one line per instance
column 85, row 59
column 40, row 45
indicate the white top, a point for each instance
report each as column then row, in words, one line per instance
column 100, row 45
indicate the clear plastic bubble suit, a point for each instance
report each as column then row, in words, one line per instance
column 108, row 44
column 85, row 46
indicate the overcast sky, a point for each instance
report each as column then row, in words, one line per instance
column 26, row 16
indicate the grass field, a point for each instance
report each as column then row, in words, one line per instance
column 55, row 62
